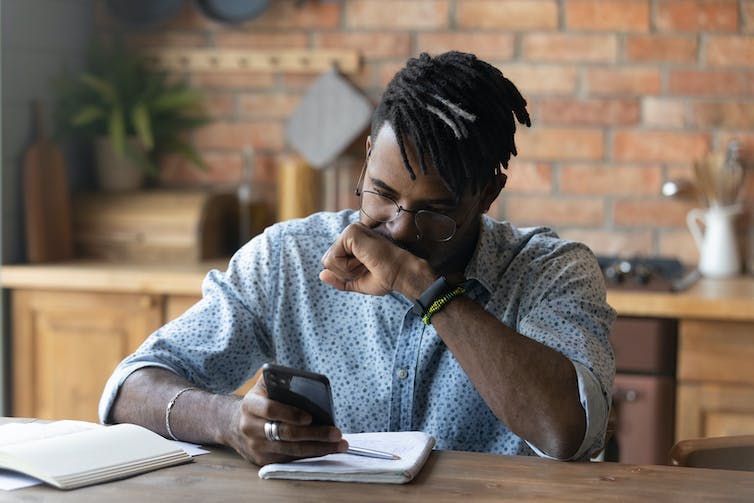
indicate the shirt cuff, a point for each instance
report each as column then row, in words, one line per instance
column 113, row 385
column 596, row 410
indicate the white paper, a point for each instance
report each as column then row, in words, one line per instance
column 16, row 433
column 411, row 446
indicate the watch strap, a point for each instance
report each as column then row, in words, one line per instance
column 428, row 296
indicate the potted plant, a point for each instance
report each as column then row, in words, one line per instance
column 132, row 113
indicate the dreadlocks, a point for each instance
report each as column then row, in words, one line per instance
column 458, row 113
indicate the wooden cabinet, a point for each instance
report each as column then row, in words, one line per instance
column 65, row 345
column 715, row 395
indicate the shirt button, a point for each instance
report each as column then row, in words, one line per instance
column 402, row 374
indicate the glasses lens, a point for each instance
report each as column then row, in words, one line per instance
column 431, row 225
column 377, row 207
column 435, row 226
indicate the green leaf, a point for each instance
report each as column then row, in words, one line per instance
column 183, row 100
column 105, row 89
column 189, row 152
column 141, row 159
column 87, row 115
column 143, row 125
column 117, row 131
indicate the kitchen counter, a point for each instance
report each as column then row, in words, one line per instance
column 729, row 299
column 168, row 279
column 708, row 299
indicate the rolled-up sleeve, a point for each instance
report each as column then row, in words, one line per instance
column 220, row 341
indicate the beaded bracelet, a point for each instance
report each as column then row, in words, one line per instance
column 170, row 408
column 439, row 304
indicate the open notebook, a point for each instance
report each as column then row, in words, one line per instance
column 413, row 448
column 70, row 454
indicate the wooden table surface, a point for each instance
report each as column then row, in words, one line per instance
column 448, row 476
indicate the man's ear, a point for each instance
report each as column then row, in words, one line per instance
column 493, row 190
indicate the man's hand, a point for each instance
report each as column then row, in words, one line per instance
column 362, row 260
column 298, row 438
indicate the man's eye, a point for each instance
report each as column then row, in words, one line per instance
column 385, row 195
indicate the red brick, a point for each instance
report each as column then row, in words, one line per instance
column 748, row 17
column 554, row 211
column 726, row 114
column 369, row 44
column 260, row 41
column 746, row 143
column 607, row 15
column 680, row 244
column 560, row 144
column 559, row 48
column 388, row 70
column 219, row 105
column 288, row 14
column 267, row 105
column 730, row 51
column 661, row 48
column 398, row 14
column 696, row 15
column 701, row 82
column 490, row 46
column 650, row 213
column 526, row 177
column 224, row 169
column 610, row 179
column 262, row 135
column 662, row 146
column 232, row 80
column 588, row 112
column 622, row 81
column 511, row 14
column 167, row 38
column 542, row 79
column 297, row 81
column 190, row 17
column 666, row 112
column 604, row 242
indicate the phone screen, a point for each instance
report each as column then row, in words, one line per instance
column 305, row 390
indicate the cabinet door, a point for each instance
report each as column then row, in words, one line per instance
column 66, row 345
column 714, row 410
column 716, row 379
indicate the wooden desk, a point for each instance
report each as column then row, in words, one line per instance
column 447, row 476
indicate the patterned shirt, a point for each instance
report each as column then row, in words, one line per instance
column 388, row 371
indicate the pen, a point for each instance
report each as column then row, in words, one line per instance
column 371, row 453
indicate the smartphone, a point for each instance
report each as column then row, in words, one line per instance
column 305, row 390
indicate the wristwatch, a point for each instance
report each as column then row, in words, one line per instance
column 435, row 290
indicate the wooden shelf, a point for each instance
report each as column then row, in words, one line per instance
column 272, row 60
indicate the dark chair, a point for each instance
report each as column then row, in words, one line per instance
column 726, row 453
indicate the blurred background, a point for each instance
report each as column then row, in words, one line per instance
column 624, row 95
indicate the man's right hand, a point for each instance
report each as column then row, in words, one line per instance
column 298, row 437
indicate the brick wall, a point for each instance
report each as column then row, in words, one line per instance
column 624, row 94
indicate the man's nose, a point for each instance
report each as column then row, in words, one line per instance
column 403, row 229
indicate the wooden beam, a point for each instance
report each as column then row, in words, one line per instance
column 272, row 60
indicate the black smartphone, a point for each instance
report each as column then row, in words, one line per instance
column 299, row 388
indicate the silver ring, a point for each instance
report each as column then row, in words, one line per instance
column 271, row 431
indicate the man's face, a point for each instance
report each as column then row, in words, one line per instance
column 386, row 175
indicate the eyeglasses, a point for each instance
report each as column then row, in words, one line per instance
column 430, row 225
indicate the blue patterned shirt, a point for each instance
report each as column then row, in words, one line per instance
column 388, row 371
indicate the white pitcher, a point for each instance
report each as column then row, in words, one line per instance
column 718, row 248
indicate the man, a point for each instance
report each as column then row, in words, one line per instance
column 427, row 314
